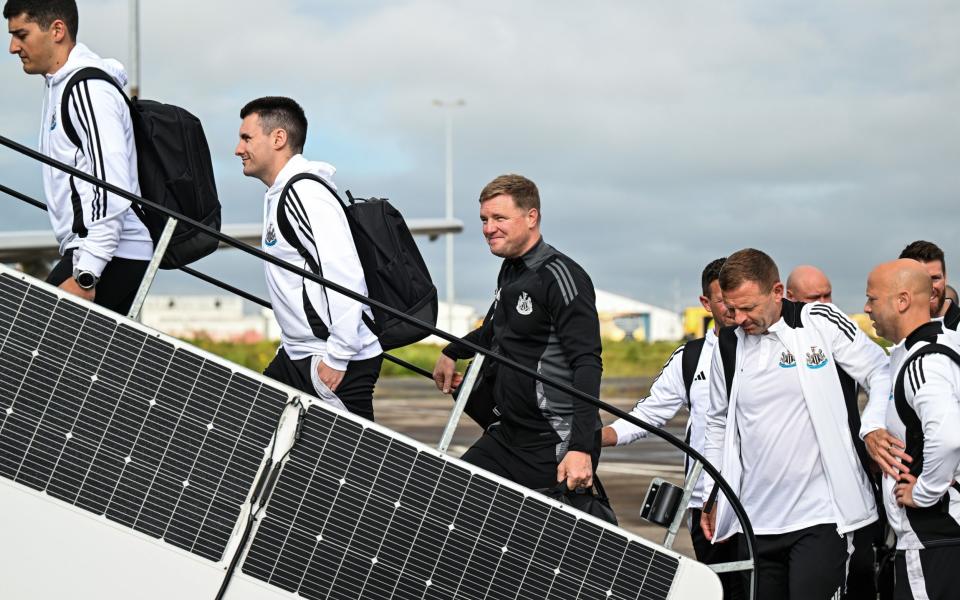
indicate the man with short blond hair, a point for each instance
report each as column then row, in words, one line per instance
column 923, row 504
column 523, row 191
column 777, row 428
column 543, row 316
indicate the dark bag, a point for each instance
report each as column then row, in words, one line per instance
column 174, row 167
column 482, row 405
column 393, row 268
column 592, row 500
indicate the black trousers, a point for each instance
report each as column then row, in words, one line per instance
column 355, row 389
column 861, row 583
column 118, row 283
column 735, row 584
column 932, row 573
column 535, row 468
column 808, row 564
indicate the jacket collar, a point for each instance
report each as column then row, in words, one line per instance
column 952, row 319
column 790, row 312
column 926, row 332
column 532, row 257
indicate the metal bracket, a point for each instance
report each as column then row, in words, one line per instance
column 466, row 387
column 692, row 477
column 152, row 268
column 730, row 567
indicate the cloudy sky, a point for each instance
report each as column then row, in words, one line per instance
column 662, row 134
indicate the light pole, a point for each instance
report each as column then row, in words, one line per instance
column 448, row 107
column 134, row 48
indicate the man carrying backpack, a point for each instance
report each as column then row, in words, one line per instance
column 685, row 381
column 104, row 246
column 326, row 346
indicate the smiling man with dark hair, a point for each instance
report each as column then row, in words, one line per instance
column 933, row 260
column 327, row 350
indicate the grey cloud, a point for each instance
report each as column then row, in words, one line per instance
column 662, row 134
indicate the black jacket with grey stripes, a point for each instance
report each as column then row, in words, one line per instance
column 544, row 316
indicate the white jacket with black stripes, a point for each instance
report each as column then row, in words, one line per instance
column 315, row 321
column 668, row 393
column 96, row 224
column 820, row 330
column 931, row 401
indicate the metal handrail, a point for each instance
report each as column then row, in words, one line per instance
column 617, row 412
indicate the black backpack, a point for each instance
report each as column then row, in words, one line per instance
column 392, row 265
column 174, row 166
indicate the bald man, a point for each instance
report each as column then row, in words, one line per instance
column 923, row 503
column 807, row 284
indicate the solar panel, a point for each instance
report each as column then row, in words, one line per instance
column 359, row 512
column 108, row 417
column 102, row 414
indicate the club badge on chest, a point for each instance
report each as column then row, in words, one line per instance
column 524, row 304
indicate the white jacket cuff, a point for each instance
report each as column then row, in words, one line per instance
column 86, row 261
column 338, row 364
column 627, row 432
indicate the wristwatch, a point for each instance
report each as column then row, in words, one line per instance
column 85, row 279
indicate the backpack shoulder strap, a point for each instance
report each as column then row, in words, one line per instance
column 286, row 228
column 689, row 361
column 85, row 74
column 727, row 339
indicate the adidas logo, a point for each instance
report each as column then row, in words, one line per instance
column 700, row 376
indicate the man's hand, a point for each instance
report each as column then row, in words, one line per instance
column 71, row 286
column 577, row 469
column 329, row 376
column 708, row 523
column 903, row 491
column 445, row 374
column 885, row 449
column 608, row 436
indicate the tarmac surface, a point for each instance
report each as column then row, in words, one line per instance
column 415, row 408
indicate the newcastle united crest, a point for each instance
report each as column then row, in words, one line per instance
column 816, row 358
column 524, row 304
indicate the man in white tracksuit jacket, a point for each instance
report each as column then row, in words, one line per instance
column 777, row 427
column 105, row 248
column 922, row 504
column 685, row 381
column 326, row 347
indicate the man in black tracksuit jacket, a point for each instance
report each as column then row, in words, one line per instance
column 544, row 317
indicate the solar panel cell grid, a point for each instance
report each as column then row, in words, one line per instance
column 115, row 420
column 356, row 514
column 121, row 423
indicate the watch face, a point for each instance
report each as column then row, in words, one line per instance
column 86, row 280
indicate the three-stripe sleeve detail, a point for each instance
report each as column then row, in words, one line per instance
column 568, row 288
column 83, row 107
column 295, row 208
column 675, row 354
column 842, row 322
column 915, row 374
